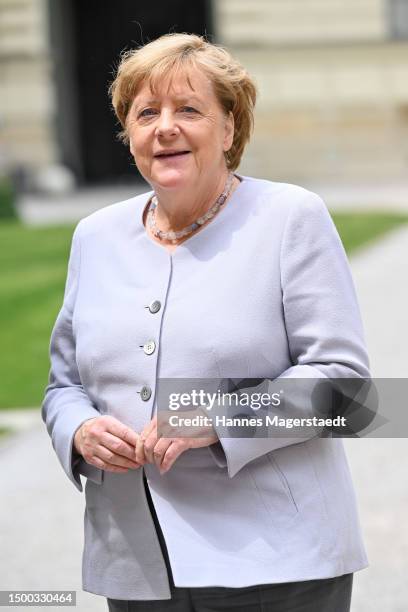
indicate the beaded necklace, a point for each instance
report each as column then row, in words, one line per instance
column 174, row 236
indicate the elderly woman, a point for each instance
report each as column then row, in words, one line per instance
column 211, row 275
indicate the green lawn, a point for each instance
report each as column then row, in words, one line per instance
column 358, row 229
column 32, row 276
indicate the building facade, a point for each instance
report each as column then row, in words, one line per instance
column 333, row 83
column 332, row 77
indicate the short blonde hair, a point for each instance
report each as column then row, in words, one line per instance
column 234, row 88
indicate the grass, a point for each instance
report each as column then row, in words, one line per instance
column 359, row 229
column 32, row 277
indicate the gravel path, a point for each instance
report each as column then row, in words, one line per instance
column 379, row 466
column 41, row 512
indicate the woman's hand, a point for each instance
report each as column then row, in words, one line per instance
column 163, row 451
column 107, row 444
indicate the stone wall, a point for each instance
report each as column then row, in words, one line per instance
column 27, row 95
column 333, row 87
column 265, row 22
column 332, row 107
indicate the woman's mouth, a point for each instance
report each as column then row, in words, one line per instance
column 171, row 154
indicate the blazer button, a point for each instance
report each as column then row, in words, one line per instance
column 149, row 347
column 155, row 306
column 146, row 393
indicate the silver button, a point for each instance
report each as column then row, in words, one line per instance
column 146, row 393
column 155, row 306
column 149, row 347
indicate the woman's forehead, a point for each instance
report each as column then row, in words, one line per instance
column 179, row 84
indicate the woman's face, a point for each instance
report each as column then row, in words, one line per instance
column 178, row 136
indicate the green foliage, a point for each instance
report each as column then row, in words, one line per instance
column 32, row 277
column 357, row 229
column 7, row 200
column 5, row 431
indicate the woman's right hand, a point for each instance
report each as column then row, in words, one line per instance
column 107, row 444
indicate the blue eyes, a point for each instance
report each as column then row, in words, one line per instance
column 150, row 112
column 147, row 112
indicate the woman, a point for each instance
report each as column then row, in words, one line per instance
column 211, row 275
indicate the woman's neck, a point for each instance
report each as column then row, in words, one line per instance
column 178, row 209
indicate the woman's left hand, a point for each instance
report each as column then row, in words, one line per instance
column 152, row 447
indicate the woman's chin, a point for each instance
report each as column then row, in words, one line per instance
column 171, row 179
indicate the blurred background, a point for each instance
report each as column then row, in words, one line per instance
column 332, row 75
column 332, row 116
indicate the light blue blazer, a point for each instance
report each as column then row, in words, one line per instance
column 263, row 291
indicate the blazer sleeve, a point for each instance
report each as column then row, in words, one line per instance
column 66, row 404
column 323, row 325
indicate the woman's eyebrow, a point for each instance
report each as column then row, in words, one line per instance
column 184, row 98
column 143, row 102
column 189, row 98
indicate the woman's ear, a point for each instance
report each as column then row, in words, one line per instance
column 229, row 131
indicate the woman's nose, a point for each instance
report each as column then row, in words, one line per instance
column 166, row 124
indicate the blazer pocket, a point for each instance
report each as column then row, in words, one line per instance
column 283, row 479
column 273, row 488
